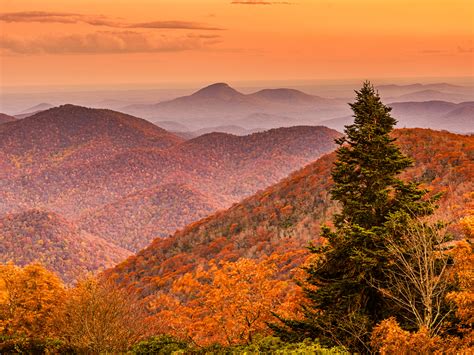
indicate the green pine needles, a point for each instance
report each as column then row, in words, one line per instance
column 342, row 303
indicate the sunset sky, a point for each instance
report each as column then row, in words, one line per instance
column 95, row 42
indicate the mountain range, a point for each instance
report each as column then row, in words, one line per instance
column 440, row 115
column 221, row 108
column 103, row 175
column 220, row 104
column 97, row 176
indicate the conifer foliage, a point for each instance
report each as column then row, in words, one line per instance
column 342, row 304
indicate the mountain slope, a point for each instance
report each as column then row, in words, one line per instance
column 139, row 218
column 6, row 118
column 70, row 133
column 285, row 217
column 461, row 119
column 58, row 244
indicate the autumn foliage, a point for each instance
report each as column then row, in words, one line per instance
column 98, row 317
column 219, row 280
column 37, row 311
column 284, row 218
column 227, row 303
column 31, row 298
column 40, row 236
column 456, row 336
column 126, row 181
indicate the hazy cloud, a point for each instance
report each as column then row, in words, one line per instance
column 99, row 20
column 175, row 25
column 57, row 17
column 259, row 2
column 105, row 42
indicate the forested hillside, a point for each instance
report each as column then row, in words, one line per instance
column 58, row 244
column 284, row 218
column 126, row 181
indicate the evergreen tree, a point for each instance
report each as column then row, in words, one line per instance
column 342, row 305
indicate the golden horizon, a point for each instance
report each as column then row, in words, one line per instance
column 112, row 42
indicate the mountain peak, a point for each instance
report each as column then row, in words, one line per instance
column 220, row 90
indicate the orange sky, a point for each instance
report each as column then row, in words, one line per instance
column 86, row 42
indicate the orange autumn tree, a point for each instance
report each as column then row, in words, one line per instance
column 227, row 303
column 31, row 299
column 99, row 317
column 463, row 298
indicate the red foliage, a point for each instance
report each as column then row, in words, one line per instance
column 38, row 236
column 283, row 218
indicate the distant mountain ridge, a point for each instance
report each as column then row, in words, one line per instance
column 431, row 95
column 37, row 108
column 33, row 110
column 127, row 181
column 440, row 115
column 219, row 104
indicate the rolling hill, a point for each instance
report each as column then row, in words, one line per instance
column 124, row 179
column 70, row 133
column 230, row 129
column 135, row 220
column 46, row 237
column 283, row 218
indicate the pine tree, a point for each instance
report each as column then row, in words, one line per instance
column 342, row 305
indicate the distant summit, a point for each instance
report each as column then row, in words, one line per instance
column 221, row 105
column 217, row 91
